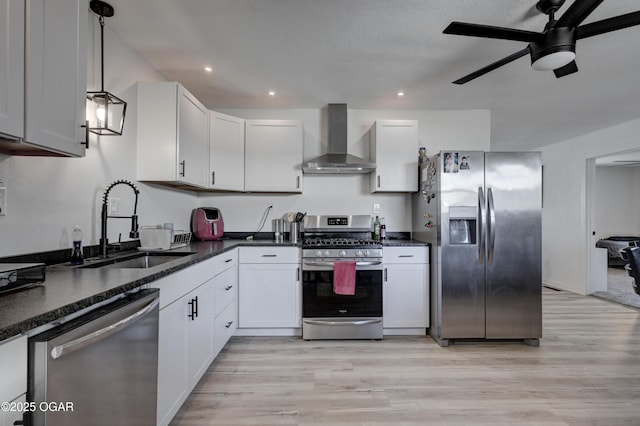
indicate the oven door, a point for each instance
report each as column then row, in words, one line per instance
column 319, row 300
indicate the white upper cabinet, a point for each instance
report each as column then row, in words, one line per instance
column 394, row 149
column 173, row 136
column 226, row 158
column 273, row 156
column 12, row 69
column 49, row 84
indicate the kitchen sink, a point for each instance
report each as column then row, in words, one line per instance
column 137, row 261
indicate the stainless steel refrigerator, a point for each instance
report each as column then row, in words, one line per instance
column 481, row 212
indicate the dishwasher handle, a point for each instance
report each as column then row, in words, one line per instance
column 88, row 339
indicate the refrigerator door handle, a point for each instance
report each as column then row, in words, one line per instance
column 481, row 225
column 491, row 225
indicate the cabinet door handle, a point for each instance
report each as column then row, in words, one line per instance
column 192, row 315
column 406, row 255
column 378, row 181
column 297, row 182
column 213, row 178
column 86, row 134
column 269, row 255
column 183, row 164
column 228, row 260
column 229, row 287
column 386, row 277
column 196, row 304
column 227, row 325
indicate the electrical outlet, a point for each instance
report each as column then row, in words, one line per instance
column 114, row 206
column 3, row 201
column 376, row 208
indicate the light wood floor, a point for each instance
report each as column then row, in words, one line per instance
column 585, row 372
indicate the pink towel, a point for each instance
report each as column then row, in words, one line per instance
column 344, row 278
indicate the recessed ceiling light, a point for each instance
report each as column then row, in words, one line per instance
column 208, row 69
column 400, row 94
column 272, row 93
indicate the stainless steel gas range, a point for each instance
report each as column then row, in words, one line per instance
column 333, row 245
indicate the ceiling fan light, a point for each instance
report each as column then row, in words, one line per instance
column 553, row 60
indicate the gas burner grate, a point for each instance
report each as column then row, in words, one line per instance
column 340, row 242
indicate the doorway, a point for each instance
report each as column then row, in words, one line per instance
column 614, row 223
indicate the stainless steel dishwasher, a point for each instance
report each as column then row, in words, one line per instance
column 98, row 369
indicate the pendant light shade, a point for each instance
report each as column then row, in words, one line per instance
column 105, row 112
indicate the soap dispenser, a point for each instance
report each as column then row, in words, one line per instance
column 76, row 254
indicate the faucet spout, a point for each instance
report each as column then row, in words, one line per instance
column 104, row 216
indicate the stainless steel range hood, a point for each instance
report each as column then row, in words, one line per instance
column 337, row 159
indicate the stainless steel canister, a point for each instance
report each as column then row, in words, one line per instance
column 294, row 232
column 278, row 230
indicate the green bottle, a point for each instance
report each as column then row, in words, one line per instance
column 376, row 229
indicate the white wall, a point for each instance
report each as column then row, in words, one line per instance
column 616, row 204
column 47, row 196
column 565, row 237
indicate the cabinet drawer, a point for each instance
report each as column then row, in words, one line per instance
column 225, row 261
column 225, row 326
column 13, row 368
column 174, row 286
column 405, row 254
column 226, row 289
column 269, row 255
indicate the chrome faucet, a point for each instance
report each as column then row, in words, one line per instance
column 104, row 242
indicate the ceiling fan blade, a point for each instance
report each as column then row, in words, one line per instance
column 570, row 68
column 577, row 12
column 488, row 31
column 608, row 25
column 493, row 66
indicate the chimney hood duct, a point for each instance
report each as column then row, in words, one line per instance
column 337, row 160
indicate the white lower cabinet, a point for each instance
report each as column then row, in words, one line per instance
column 186, row 335
column 13, row 417
column 200, row 316
column 173, row 361
column 185, row 348
column 406, row 290
column 13, row 378
column 270, row 289
column 225, row 286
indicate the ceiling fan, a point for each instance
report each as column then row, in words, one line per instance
column 555, row 47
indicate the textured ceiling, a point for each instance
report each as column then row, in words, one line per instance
column 362, row 52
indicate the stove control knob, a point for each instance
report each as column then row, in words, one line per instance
column 359, row 253
column 319, row 253
column 343, row 253
column 367, row 253
column 326, row 253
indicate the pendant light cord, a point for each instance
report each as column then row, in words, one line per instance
column 101, row 53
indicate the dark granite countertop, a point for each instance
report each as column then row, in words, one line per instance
column 67, row 290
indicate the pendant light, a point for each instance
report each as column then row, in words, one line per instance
column 105, row 112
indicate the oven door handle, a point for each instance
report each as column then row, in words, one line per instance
column 355, row 322
column 372, row 263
